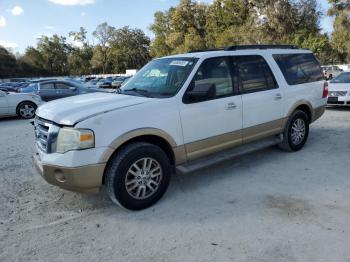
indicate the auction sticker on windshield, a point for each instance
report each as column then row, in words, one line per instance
column 179, row 63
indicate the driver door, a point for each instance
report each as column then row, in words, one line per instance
column 212, row 125
column 4, row 109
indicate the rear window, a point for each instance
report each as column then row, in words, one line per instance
column 299, row 68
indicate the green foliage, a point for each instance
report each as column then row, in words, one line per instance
column 116, row 50
column 341, row 34
column 190, row 26
column 7, row 63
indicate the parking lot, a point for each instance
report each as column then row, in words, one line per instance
column 267, row 206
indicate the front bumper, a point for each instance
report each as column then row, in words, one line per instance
column 84, row 179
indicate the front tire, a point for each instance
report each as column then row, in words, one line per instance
column 138, row 176
column 296, row 132
column 26, row 110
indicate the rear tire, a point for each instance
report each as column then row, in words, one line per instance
column 296, row 132
column 138, row 176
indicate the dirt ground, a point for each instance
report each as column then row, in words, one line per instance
column 267, row 206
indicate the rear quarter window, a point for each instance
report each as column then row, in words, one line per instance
column 299, row 68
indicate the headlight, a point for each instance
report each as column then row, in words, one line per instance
column 74, row 139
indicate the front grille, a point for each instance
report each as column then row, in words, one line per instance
column 45, row 133
column 337, row 93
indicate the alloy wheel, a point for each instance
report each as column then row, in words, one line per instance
column 143, row 178
column 298, row 131
column 27, row 111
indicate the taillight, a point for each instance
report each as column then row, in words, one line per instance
column 325, row 90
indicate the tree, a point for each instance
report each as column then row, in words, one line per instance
column 179, row 29
column 7, row 63
column 341, row 33
column 104, row 34
column 54, row 51
column 191, row 26
column 129, row 49
column 80, row 54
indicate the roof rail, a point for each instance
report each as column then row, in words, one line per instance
column 246, row 47
column 207, row 50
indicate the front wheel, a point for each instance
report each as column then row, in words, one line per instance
column 26, row 110
column 138, row 176
column 296, row 132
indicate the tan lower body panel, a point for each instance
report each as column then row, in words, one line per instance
column 85, row 179
column 212, row 145
column 222, row 142
column 253, row 133
column 318, row 112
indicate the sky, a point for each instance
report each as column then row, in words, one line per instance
column 23, row 21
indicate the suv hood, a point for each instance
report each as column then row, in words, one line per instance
column 71, row 110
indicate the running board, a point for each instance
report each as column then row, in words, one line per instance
column 228, row 154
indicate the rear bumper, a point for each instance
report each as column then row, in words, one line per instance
column 339, row 100
column 84, row 179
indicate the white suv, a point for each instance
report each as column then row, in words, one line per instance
column 179, row 113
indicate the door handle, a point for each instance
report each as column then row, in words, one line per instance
column 278, row 96
column 231, row 106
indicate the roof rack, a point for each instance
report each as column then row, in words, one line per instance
column 244, row 47
column 247, row 47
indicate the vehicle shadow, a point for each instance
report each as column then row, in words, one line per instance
column 338, row 108
column 12, row 118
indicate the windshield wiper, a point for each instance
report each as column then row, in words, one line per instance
column 143, row 92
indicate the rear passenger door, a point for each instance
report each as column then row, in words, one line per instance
column 65, row 90
column 47, row 91
column 262, row 98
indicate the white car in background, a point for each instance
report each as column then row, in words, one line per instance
column 339, row 90
column 23, row 105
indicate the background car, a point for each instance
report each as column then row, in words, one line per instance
column 339, row 90
column 105, row 83
column 55, row 89
column 12, row 86
column 330, row 72
column 32, row 85
column 92, row 82
column 117, row 83
column 23, row 105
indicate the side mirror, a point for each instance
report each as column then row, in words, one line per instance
column 72, row 88
column 202, row 92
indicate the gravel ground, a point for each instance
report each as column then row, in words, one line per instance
column 267, row 206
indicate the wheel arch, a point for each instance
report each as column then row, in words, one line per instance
column 176, row 154
column 304, row 106
column 22, row 102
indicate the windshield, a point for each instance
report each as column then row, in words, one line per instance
column 160, row 78
column 342, row 78
column 32, row 86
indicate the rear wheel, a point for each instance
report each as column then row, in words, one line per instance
column 138, row 176
column 26, row 110
column 296, row 132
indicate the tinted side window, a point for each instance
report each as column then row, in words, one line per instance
column 215, row 71
column 47, row 86
column 62, row 86
column 255, row 74
column 299, row 68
